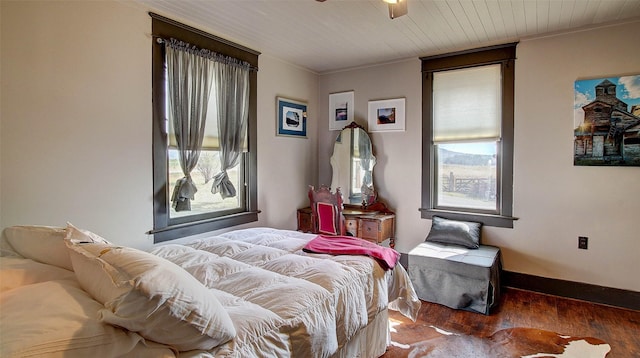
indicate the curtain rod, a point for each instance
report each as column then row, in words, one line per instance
column 230, row 60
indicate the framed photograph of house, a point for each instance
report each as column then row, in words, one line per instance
column 340, row 110
column 386, row 115
column 291, row 118
column 607, row 121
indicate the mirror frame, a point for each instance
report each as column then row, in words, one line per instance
column 364, row 195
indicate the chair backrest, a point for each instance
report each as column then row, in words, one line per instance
column 326, row 211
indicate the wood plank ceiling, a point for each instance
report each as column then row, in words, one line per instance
column 341, row 34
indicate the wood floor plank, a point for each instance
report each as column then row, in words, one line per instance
column 514, row 309
column 574, row 317
column 620, row 328
column 544, row 311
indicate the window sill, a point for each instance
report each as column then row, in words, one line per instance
column 193, row 228
column 485, row 219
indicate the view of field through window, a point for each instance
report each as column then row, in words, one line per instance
column 202, row 175
column 467, row 175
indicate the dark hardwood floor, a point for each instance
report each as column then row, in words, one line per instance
column 620, row 328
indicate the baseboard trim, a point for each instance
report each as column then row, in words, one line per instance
column 581, row 291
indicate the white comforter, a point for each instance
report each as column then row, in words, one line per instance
column 285, row 302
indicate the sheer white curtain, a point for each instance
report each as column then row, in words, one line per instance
column 232, row 92
column 193, row 74
column 189, row 76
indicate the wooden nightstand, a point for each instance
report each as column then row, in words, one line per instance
column 305, row 223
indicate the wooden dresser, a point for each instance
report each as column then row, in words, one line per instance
column 376, row 226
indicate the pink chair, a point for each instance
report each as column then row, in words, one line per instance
column 326, row 211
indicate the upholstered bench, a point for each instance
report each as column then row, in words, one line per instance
column 456, row 276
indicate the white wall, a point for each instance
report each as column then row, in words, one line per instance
column 76, row 122
column 286, row 165
column 555, row 201
column 396, row 175
column 76, row 115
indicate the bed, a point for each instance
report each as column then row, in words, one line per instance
column 246, row 293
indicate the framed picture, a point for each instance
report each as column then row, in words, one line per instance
column 386, row 115
column 291, row 118
column 607, row 122
column 340, row 110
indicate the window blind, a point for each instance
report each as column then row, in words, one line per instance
column 467, row 104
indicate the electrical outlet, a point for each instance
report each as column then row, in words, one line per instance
column 583, row 242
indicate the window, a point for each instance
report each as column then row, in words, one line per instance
column 179, row 212
column 467, row 168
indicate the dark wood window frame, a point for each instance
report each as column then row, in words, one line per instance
column 504, row 55
column 164, row 227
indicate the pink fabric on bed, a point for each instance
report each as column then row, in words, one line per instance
column 349, row 245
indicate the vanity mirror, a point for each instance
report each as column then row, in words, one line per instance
column 352, row 163
column 364, row 216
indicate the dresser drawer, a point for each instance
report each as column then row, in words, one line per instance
column 351, row 226
column 368, row 230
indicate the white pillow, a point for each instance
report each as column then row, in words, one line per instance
column 40, row 243
column 46, row 243
column 6, row 250
column 59, row 319
column 18, row 272
column 76, row 235
column 152, row 296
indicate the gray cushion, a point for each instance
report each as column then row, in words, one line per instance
column 453, row 232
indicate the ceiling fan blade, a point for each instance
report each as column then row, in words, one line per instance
column 398, row 9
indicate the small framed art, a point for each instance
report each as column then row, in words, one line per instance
column 340, row 110
column 291, row 118
column 386, row 115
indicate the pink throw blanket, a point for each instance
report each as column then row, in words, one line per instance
column 349, row 245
